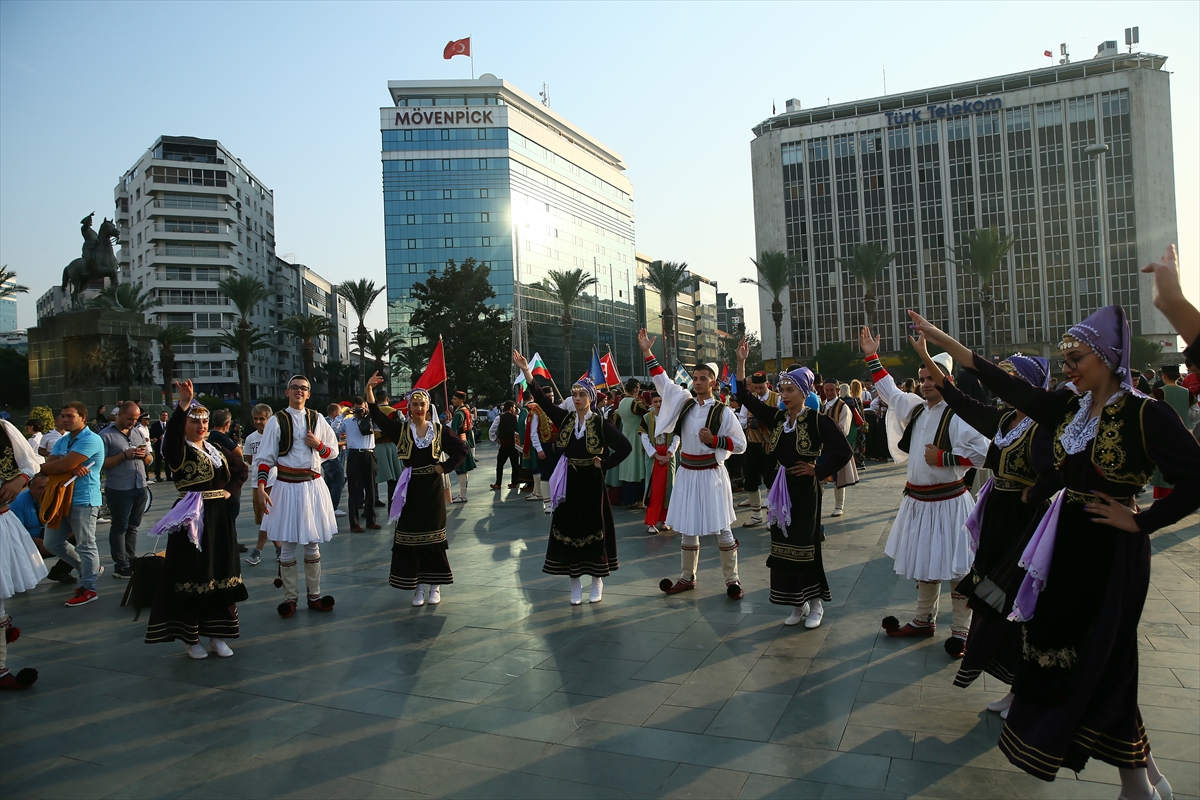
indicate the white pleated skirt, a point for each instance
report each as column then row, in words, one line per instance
column 21, row 565
column 701, row 502
column 301, row 513
column 929, row 539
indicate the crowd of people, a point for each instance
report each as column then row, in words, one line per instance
column 1048, row 559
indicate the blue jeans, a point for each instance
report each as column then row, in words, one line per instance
column 126, row 506
column 84, row 556
column 334, row 472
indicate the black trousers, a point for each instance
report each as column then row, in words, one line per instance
column 360, row 475
column 758, row 467
column 510, row 453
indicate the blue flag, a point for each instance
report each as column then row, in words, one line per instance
column 596, row 372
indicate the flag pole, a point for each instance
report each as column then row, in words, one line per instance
column 472, row 56
column 445, row 381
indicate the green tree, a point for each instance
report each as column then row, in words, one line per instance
column 668, row 279
column 754, row 362
column 46, row 415
column 340, row 377
column 306, row 330
column 125, row 297
column 167, row 339
column 9, row 289
column 840, row 361
column 775, row 273
column 867, row 263
column 413, row 358
column 245, row 292
column 380, row 345
column 476, row 338
column 361, row 295
column 1144, row 354
column 568, row 287
column 981, row 253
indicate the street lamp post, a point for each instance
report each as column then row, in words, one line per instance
column 1098, row 150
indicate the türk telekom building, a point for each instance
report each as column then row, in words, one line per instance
column 914, row 172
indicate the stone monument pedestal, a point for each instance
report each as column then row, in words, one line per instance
column 98, row 356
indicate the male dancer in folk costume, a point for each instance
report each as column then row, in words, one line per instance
column 418, row 504
column 298, row 511
column 461, row 425
column 759, row 464
column 540, row 436
column 836, row 409
column 799, row 437
column 21, row 565
column 929, row 540
column 702, row 499
column 583, row 539
column 660, row 447
column 1007, row 510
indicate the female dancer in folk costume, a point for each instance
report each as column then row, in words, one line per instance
column 798, row 437
column 418, row 505
column 201, row 579
column 21, row 566
column 299, row 511
column 928, row 539
column 1007, row 510
column 660, row 447
column 1088, row 563
column 583, row 540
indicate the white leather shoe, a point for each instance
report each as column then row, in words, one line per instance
column 1164, row 789
column 419, row 596
column 815, row 615
column 597, row 590
column 1003, row 704
column 196, row 651
column 435, row 595
column 837, row 512
column 220, row 648
column 576, row 592
column 798, row 615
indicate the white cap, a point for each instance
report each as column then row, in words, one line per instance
column 944, row 361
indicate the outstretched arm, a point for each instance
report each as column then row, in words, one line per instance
column 1169, row 299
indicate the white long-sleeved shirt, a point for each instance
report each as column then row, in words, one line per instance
column 650, row 449
column 301, row 456
column 673, row 397
column 25, row 456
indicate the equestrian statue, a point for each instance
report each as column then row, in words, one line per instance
column 97, row 260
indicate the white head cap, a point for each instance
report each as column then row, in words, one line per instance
column 713, row 366
column 944, row 361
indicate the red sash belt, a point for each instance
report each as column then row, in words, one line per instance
column 294, row 475
column 703, row 461
column 938, row 491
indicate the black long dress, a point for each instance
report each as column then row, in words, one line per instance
column 198, row 589
column 583, row 539
column 1076, row 687
column 797, row 570
column 1008, row 521
column 419, row 549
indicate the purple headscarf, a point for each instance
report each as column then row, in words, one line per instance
column 588, row 386
column 1034, row 369
column 1106, row 333
column 801, row 376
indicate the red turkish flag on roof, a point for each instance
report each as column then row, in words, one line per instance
column 460, row 47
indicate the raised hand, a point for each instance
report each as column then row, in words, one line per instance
column 374, row 380
column 1169, row 298
column 869, row 344
column 743, row 351
column 186, row 392
column 521, row 361
column 926, row 329
column 645, row 341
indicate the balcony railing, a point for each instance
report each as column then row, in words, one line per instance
column 191, row 206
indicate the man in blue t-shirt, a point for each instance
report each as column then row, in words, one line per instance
column 80, row 452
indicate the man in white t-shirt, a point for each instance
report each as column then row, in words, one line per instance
column 259, row 414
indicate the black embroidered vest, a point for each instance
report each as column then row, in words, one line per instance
column 712, row 422
column 1119, row 449
column 285, row 427
column 808, row 434
column 1015, row 461
column 593, row 436
column 404, row 447
column 8, row 461
column 941, row 438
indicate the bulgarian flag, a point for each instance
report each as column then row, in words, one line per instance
column 536, row 366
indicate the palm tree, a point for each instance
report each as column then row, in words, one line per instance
column 413, row 359
column 167, row 338
column 981, row 253
column 775, row 273
column 339, row 376
column 360, row 294
column 568, row 286
column 244, row 341
column 245, row 292
column 125, row 297
column 9, row 289
column 668, row 279
column 867, row 263
column 307, row 330
column 380, row 344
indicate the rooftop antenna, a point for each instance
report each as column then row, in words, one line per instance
column 545, row 94
column 885, row 79
column 1065, row 53
column 1131, row 38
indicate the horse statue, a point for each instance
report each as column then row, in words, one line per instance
column 97, row 261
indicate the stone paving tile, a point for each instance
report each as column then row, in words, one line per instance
column 504, row 690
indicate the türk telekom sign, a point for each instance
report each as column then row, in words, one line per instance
column 425, row 117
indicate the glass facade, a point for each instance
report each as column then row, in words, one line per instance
column 919, row 186
column 525, row 209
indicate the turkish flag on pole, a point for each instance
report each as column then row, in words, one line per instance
column 1046, row 53
column 461, row 47
column 435, row 370
column 611, row 376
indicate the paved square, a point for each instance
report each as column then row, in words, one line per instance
column 505, row 690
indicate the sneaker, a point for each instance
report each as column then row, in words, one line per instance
column 337, row 512
column 81, row 597
column 122, row 574
column 254, row 559
column 837, row 512
column 242, row 548
column 651, row 530
column 61, row 572
column 103, row 521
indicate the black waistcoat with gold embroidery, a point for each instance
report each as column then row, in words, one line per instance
column 1119, row 449
column 404, row 447
column 1014, row 462
column 197, row 473
column 593, row 435
column 8, row 461
column 807, row 437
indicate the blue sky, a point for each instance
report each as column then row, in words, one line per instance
column 293, row 89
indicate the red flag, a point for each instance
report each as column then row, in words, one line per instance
column 435, row 370
column 611, row 376
column 724, row 372
column 460, row 47
column 1047, row 54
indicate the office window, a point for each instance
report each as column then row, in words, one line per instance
column 445, row 134
column 483, row 133
column 483, row 163
column 445, row 163
column 483, row 217
column 412, row 219
column 410, row 195
column 447, row 218
column 408, row 166
column 412, row 269
column 487, row 241
column 412, row 244
column 445, row 194
column 449, row 243
column 408, row 136
column 483, row 192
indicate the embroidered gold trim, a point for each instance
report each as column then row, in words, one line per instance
column 409, row 539
column 577, row 541
column 191, row 587
column 792, row 552
column 1064, row 657
column 8, row 465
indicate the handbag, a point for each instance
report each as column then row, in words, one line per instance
column 143, row 584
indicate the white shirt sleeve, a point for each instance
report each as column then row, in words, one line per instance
column 328, row 437
column 535, row 441
column 968, row 442
column 673, row 397
column 732, row 429
column 646, row 445
column 673, row 448
column 23, row 454
column 268, row 447
column 844, row 419
column 494, row 428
